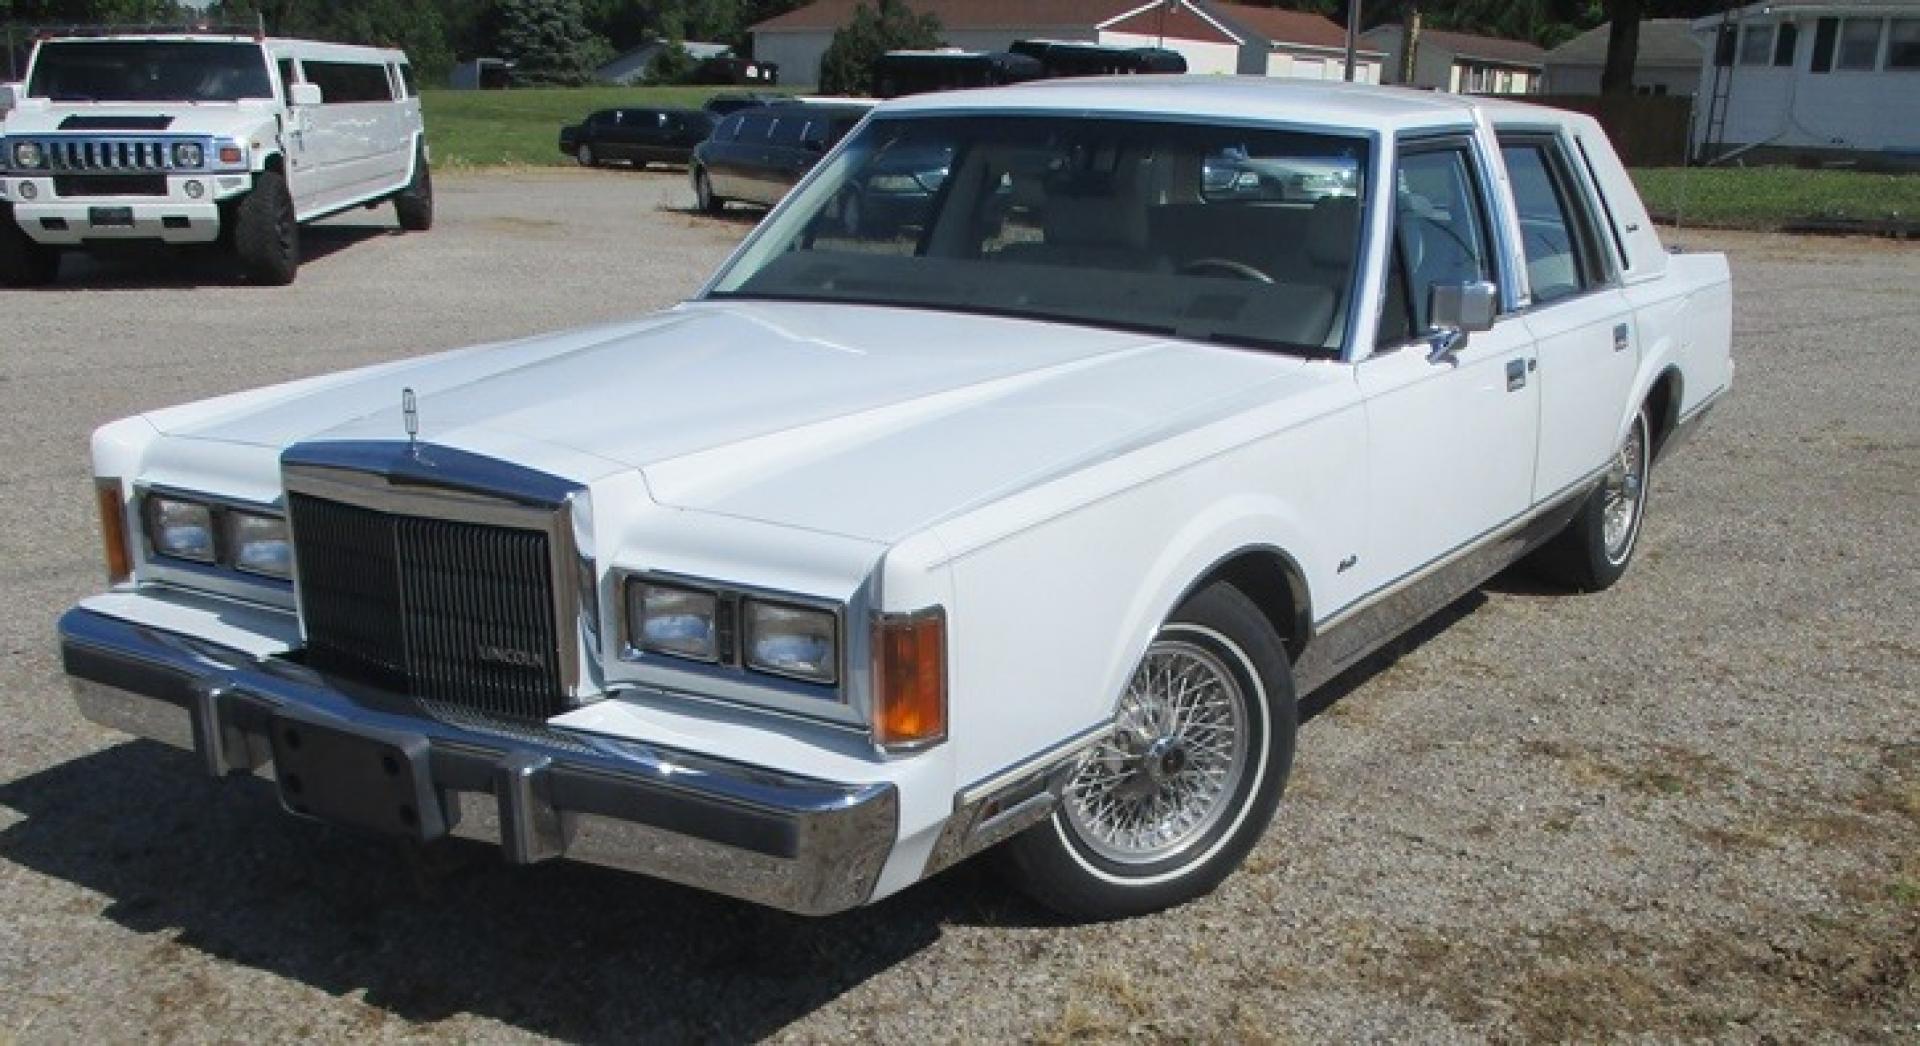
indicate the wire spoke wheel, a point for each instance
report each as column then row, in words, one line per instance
column 1168, row 772
column 1625, row 485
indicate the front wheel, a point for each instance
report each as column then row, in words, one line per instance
column 1173, row 800
column 1595, row 548
column 414, row 205
column 584, row 156
column 266, row 232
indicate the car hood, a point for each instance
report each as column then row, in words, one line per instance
column 862, row 421
column 221, row 119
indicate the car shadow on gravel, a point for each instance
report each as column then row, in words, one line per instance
column 563, row 950
column 140, row 267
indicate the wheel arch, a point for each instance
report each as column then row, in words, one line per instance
column 1272, row 579
column 1662, row 403
column 1259, row 549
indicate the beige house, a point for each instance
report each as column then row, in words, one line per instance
column 1667, row 61
column 1464, row 63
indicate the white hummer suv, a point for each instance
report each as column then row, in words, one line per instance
column 194, row 138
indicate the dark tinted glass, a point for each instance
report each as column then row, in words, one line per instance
column 346, row 83
column 157, row 71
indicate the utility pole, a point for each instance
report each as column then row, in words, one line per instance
column 1410, row 43
column 1353, row 34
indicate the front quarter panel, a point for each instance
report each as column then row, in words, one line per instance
column 1058, row 591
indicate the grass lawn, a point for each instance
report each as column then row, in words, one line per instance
column 497, row 128
column 1770, row 197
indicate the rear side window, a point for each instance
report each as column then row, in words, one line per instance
column 346, row 83
column 787, row 130
column 1556, row 233
column 755, row 128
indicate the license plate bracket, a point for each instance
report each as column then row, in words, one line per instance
column 365, row 777
column 110, row 217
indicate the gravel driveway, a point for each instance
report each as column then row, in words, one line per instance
column 1687, row 807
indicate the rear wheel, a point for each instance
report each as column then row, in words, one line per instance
column 24, row 263
column 703, row 193
column 414, row 205
column 266, row 232
column 1593, row 551
column 1171, row 803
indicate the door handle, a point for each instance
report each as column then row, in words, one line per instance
column 1620, row 338
column 1516, row 375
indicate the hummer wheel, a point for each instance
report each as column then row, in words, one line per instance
column 266, row 232
column 414, row 204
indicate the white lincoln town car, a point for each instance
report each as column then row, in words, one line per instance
column 1019, row 520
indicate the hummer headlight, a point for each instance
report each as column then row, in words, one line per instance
column 786, row 640
column 28, row 156
column 180, row 528
column 259, row 544
column 188, row 154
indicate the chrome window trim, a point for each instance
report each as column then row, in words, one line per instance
column 434, row 482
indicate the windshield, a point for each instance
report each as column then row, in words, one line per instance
column 149, row 71
column 1219, row 233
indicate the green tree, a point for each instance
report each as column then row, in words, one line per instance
column 848, row 65
column 414, row 26
column 549, row 41
column 672, row 65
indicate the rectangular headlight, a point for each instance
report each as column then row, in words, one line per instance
column 792, row 641
column 259, row 544
column 669, row 619
column 188, row 154
column 180, row 528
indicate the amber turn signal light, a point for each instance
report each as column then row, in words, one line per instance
column 910, row 679
column 113, row 530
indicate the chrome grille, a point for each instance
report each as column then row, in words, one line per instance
column 116, row 154
column 457, row 613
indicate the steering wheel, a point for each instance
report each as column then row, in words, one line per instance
column 1201, row 266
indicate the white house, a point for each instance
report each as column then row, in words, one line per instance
column 1213, row 37
column 1667, row 61
column 1465, row 63
column 1812, row 79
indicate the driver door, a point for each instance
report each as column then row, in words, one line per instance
column 1452, row 439
column 296, row 133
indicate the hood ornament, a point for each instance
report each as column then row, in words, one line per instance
column 410, row 415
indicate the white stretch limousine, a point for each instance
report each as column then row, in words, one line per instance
column 1024, row 518
column 196, row 138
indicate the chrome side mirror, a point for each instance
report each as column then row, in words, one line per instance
column 1455, row 310
column 305, row 94
column 9, row 97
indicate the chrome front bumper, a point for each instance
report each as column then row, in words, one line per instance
column 796, row 843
